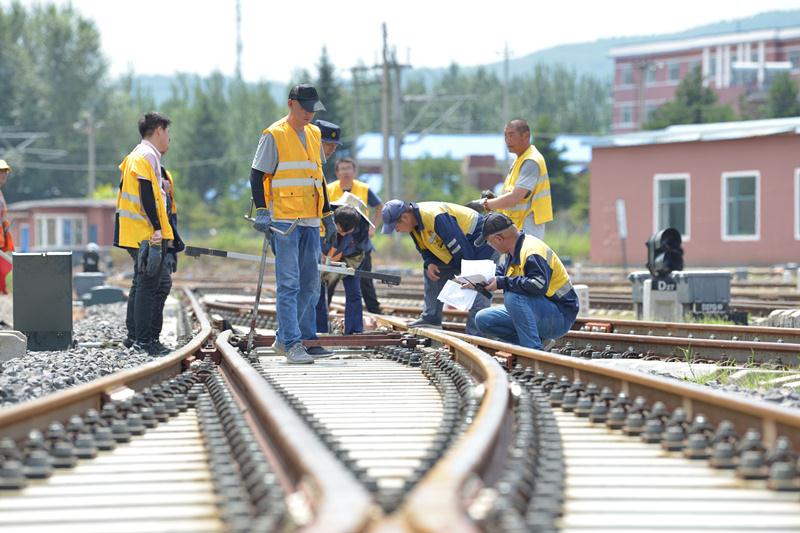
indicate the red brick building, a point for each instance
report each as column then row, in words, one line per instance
column 739, row 66
column 732, row 189
column 62, row 224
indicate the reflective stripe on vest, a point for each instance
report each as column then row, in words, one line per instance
column 426, row 237
column 560, row 284
column 134, row 226
column 538, row 201
column 294, row 191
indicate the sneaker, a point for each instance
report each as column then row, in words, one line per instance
column 156, row 348
column 297, row 355
column 420, row 323
column 318, row 352
column 128, row 342
column 278, row 348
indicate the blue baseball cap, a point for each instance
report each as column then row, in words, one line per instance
column 331, row 133
column 392, row 210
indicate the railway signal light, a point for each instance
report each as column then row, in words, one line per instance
column 664, row 252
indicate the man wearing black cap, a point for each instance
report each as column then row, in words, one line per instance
column 331, row 136
column 539, row 301
column 287, row 185
column 444, row 234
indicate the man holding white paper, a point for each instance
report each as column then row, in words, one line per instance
column 538, row 295
column 444, row 234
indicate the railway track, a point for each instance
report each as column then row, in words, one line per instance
column 424, row 430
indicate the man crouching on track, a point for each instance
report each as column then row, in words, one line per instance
column 444, row 234
column 350, row 247
column 287, row 185
column 538, row 295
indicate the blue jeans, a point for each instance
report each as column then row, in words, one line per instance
column 432, row 313
column 353, row 308
column 296, row 259
column 525, row 320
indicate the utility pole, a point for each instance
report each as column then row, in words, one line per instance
column 238, row 39
column 506, row 105
column 356, row 105
column 388, row 188
column 397, row 130
column 88, row 126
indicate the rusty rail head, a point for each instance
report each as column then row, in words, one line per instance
column 341, row 503
column 17, row 420
column 773, row 420
column 436, row 503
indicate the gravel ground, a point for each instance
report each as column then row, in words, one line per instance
column 783, row 396
column 41, row 373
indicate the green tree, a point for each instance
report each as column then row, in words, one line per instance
column 782, row 97
column 562, row 190
column 329, row 92
column 431, row 178
column 693, row 104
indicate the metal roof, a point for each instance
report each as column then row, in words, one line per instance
column 694, row 43
column 577, row 148
column 61, row 202
column 717, row 131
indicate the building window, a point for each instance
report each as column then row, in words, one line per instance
column 649, row 109
column 740, row 205
column 60, row 231
column 712, row 65
column 650, row 74
column 794, row 59
column 671, row 203
column 797, row 204
column 626, row 114
column 674, row 71
column 626, row 74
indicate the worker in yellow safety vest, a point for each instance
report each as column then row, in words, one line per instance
column 142, row 227
column 287, row 185
column 525, row 196
column 346, row 181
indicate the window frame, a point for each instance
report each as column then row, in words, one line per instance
column 657, row 179
column 724, row 205
column 797, row 204
column 40, row 222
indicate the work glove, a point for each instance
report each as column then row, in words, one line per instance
column 263, row 221
column 476, row 205
column 330, row 229
column 153, row 261
column 141, row 256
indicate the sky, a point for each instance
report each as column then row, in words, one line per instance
column 169, row 36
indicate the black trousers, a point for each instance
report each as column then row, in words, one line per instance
column 367, row 287
column 145, row 313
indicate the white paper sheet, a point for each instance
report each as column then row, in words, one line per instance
column 453, row 295
column 480, row 271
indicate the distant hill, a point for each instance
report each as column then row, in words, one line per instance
column 588, row 58
column 160, row 86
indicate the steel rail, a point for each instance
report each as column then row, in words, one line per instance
column 339, row 502
column 773, row 421
column 16, row 421
column 436, row 503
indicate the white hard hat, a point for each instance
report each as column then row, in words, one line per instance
column 92, row 247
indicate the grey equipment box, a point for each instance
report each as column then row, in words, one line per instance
column 637, row 279
column 86, row 281
column 704, row 291
column 43, row 299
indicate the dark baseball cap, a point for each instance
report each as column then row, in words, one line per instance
column 493, row 223
column 307, row 95
column 331, row 133
column 392, row 211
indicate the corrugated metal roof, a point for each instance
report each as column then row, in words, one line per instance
column 577, row 148
column 717, row 131
column 692, row 43
column 61, row 202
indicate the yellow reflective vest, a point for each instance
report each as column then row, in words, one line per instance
column 559, row 285
column 538, row 201
column 134, row 226
column 360, row 189
column 425, row 236
column 296, row 187
column 174, row 210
